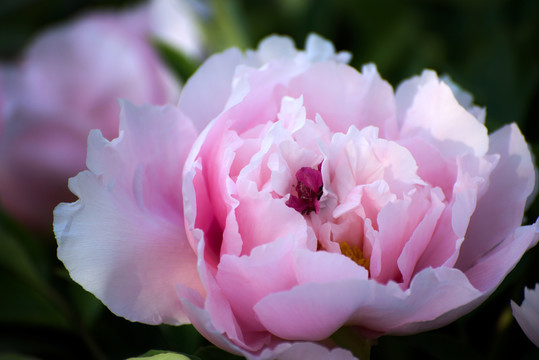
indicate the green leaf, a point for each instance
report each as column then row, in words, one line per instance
column 164, row 355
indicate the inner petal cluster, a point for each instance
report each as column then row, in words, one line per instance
column 365, row 203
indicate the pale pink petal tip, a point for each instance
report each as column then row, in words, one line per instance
column 527, row 314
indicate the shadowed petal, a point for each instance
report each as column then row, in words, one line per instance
column 490, row 269
column 499, row 211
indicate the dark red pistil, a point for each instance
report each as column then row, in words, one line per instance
column 309, row 190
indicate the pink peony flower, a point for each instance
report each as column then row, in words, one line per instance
column 314, row 198
column 527, row 314
column 66, row 84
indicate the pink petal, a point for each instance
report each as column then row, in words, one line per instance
column 314, row 311
column 427, row 107
column 276, row 350
column 263, row 220
column 499, row 211
column 215, row 306
column 359, row 157
column 419, row 240
column 432, row 167
column 444, row 247
column 404, row 231
column 200, row 102
column 465, row 99
column 366, row 201
column 344, row 97
column 527, row 314
column 261, row 97
column 123, row 240
column 490, row 269
column 394, row 230
column 310, row 268
column 193, row 305
column 208, row 190
column 435, row 298
column 247, row 279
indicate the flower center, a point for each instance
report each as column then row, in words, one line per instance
column 354, row 253
column 308, row 189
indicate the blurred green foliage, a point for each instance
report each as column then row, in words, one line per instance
column 489, row 47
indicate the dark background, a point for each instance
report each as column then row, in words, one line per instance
column 489, row 47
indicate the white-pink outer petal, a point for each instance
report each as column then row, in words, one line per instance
column 124, row 239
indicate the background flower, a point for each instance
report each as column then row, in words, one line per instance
column 67, row 83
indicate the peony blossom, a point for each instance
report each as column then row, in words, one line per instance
column 67, row 83
column 314, row 198
column 527, row 314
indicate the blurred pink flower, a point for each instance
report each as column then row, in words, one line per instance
column 527, row 314
column 314, row 198
column 67, row 83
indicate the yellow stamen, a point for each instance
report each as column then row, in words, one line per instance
column 354, row 253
